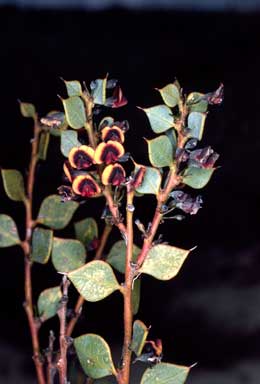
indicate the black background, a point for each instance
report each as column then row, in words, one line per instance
column 209, row 314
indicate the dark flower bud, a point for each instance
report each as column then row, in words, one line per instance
column 216, row 97
column 85, row 186
column 185, row 202
column 66, row 193
column 181, row 155
column 108, row 152
column 117, row 100
column 113, row 133
column 203, row 158
column 81, row 157
column 113, row 174
column 111, row 83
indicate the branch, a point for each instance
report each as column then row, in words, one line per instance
column 62, row 312
column 49, row 354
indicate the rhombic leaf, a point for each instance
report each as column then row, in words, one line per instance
column 41, row 245
column 69, row 140
column 48, row 302
column 13, row 184
column 164, row 261
column 86, row 230
column 160, row 118
column 197, row 177
column 195, row 104
column 116, row 256
column 73, row 87
column 160, row 151
column 196, row 122
column 55, row 214
column 140, row 332
column 94, row 356
column 74, row 111
column 67, row 254
column 165, row 373
column 8, row 232
column 170, row 94
column 95, row 280
column 99, row 92
column 27, row 110
column 151, row 182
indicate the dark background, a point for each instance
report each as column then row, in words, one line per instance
column 210, row 312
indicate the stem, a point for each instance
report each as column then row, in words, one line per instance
column 29, row 224
column 80, row 302
column 89, row 123
column 115, row 212
column 124, row 373
column 62, row 312
column 51, row 366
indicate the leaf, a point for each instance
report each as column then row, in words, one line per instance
column 160, row 118
column 48, row 303
column 8, row 232
column 160, row 151
column 197, row 177
column 116, row 256
column 41, row 245
column 13, row 184
column 164, row 261
column 195, row 104
column 136, row 296
column 151, row 181
column 140, row 332
column 94, row 355
column 196, row 122
column 170, row 94
column 43, row 145
column 73, row 87
column 99, row 92
column 69, row 140
column 171, row 134
column 55, row 214
column 67, row 254
column 27, row 110
column 74, row 111
column 95, row 280
column 165, row 373
column 86, row 230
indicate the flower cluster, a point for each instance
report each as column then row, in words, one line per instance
column 89, row 169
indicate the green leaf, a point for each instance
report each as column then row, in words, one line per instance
column 55, row 214
column 99, row 92
column 69, row 140
column 67, row 254
column 13, row 184
column 94, row 355
column 196, row 122
column 116, row 256
column 136, row 293
column 160, row 118
column 140, row 332
column 41, row 245
column 171, row 134
column 170, row 94
column 74, row 111
column 151, row 181
column 164, row 261
column 27, row 110
column 73, row 87
column 48, row 302
column 8, row 232
column 160, row 151
column 197, row 177
column 195, row 103
column 165, row 373
column 95, row 280
column 86, row 230
column 43, row 145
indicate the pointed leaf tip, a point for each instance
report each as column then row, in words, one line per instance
column 165, row 373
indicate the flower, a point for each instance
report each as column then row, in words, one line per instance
column 108, row 152
column 81, row 157
column 86, row 186
column 113, row 174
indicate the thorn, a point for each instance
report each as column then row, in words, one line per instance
column 192, row 249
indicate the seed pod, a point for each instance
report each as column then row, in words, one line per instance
column 108, row 152
column 85, row 186
column 113, row 174
column 81, row 157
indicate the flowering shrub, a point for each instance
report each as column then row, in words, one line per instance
column 94, row 167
